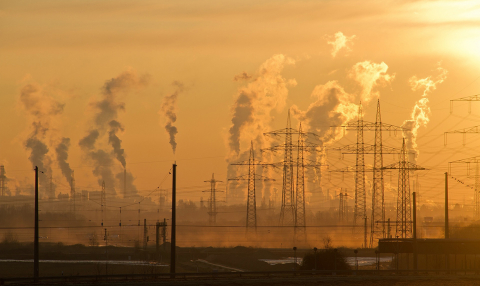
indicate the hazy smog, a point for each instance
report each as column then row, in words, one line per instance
column 250, row 137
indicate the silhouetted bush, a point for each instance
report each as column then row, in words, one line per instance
column 327, row 259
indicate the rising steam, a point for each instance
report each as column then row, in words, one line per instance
column 267, row 90
column 169, row 108
column 421, row 110
column 107, row 124
column 62, row 157
column 333, row 106
column 251, row 112
column 42, row 110
column 340, row 41
column 369, row 75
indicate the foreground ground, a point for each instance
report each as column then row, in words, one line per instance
column 319, row 280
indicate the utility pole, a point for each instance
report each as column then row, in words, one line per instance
column 173, row 238
column 415, row 253
column 447, row 231
column 36, row 264
column 103, row 203
column 106, row 252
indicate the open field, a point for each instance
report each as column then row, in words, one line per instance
column 281, row 281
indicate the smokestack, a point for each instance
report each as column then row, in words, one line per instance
column 125, row 182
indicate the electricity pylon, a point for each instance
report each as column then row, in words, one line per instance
column 342, row 208
column 72, row 193
column 467, row 98
column 360, row 209
column 3, row 180
column 212, row 201
column 404, row 207
column 378, row 194
column 251, row 226
column 287, row 211
column 464, row 131
column 476, row 195
column 293, row 202
column 300, row 222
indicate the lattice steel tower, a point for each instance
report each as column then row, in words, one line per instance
column 360, row 149
column 476, row 195
column 3, row 180
column 378, row 193
column 251, row 199
column 72, row 193
column 287, row 211
column 404, row 206
column 251, row 177
column 300, row 223
column 360, row 211
column 212, row 202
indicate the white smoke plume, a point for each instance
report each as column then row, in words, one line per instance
column 340, row 41
column 169, row 107
column 421, row 110
column 106, row 126
column 369, row 75
column 264, row 91
column 42, row 112
column 333, row 106
column 251, row 112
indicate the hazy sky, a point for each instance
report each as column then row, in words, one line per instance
column 69, row 68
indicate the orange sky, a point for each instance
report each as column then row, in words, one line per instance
column 70, row 49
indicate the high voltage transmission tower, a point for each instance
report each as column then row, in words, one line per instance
column 342, row 208
column 251, row 177
column 377, row 230
column 300, row 222
column 212, row 201
column 292, row 210
column 3, row 180
column 468, row 99
column 378, row 208
column 476, row 195
column 288, row 211
column 72, row 193
column 464, row 131
column 404, row 206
